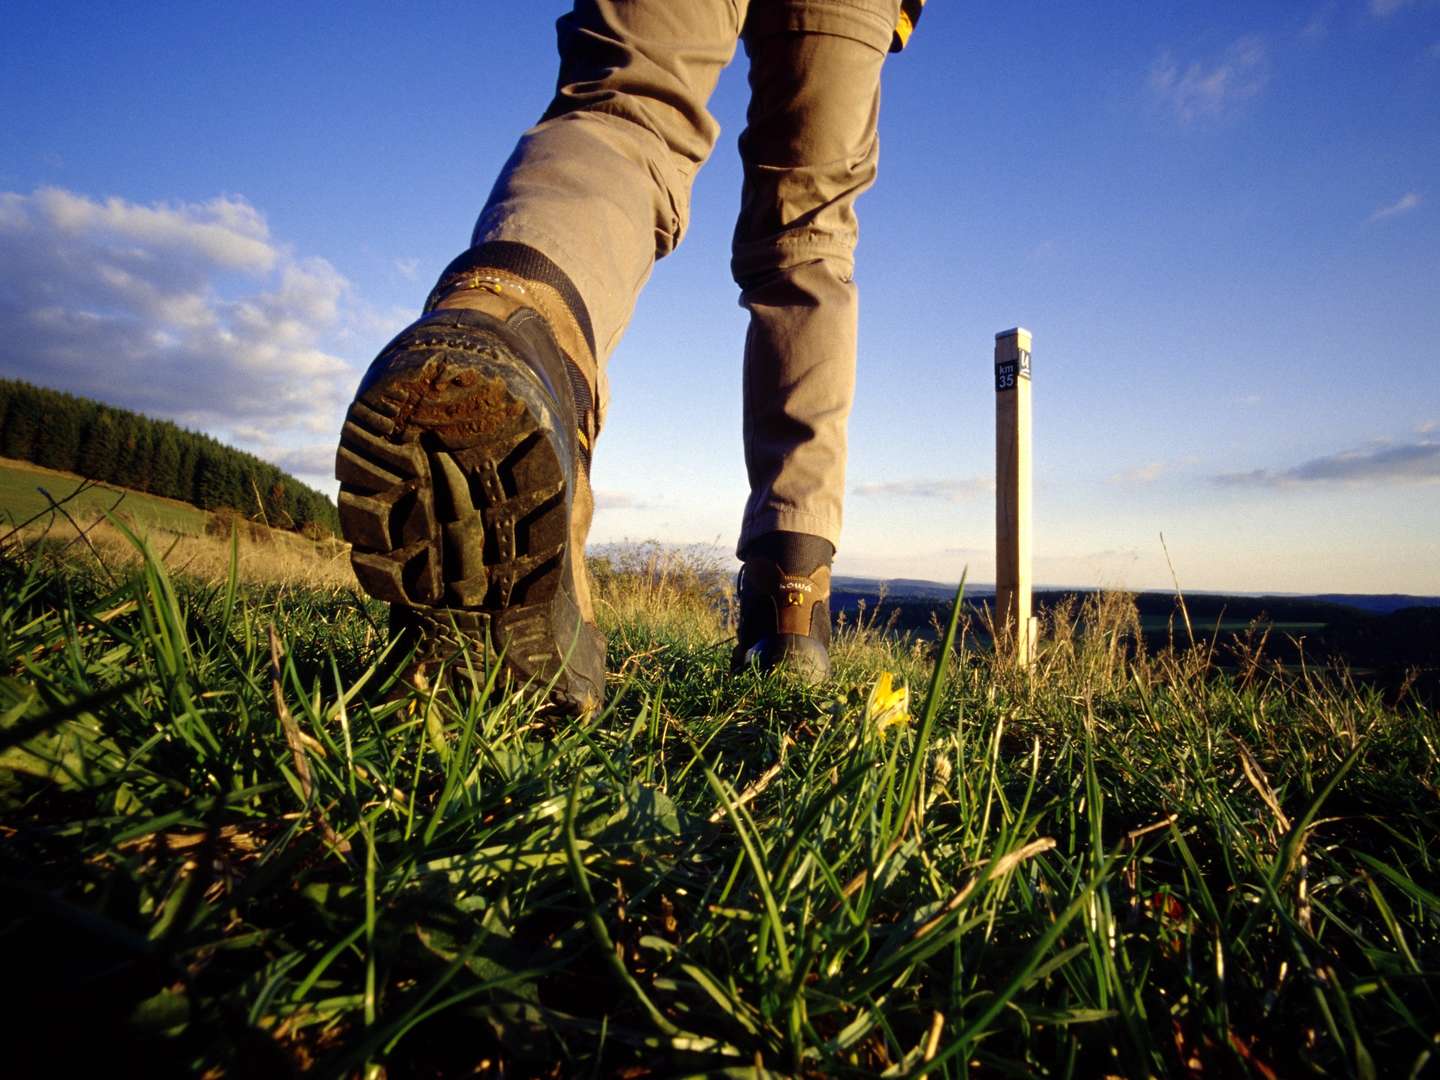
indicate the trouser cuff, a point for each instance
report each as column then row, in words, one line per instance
column 795, row 521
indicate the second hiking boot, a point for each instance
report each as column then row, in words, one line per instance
column 459, row 471
column 784, row 621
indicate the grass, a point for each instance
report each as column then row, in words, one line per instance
column 69, row 515
column 22, row 498
column 229, row 858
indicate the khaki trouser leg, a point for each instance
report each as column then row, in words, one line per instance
column 601, row 186
column 809, row 150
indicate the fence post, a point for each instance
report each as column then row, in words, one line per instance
column 1015, row 629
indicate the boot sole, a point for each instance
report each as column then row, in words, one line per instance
column 455, row 495
column 792, row 654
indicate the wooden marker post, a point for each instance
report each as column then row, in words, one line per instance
column 1014, row 627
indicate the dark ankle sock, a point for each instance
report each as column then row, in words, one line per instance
column 526, row 262
column 523, row 261
column 793, row 552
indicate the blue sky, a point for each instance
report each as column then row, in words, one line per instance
column 1220, row 221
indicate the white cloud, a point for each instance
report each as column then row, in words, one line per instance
column 1403, row 205
column 1383, row 9
column 1382, row 463
column 409, row 269
column 188, row 311
column 317, row 459
column 1202, row 91
column 954, row 490
column 225, row 231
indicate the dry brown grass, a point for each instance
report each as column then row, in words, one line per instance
column 675, row 593
column 265, row 556
column 1092, row 641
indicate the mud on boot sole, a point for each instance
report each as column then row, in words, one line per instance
column 457, row 475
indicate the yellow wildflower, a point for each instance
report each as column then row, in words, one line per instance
column 887, row 705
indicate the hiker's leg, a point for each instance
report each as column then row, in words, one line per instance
column 601, row 185
column 808, row 151
column 464, row 459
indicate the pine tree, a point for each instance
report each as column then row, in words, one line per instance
column 220, row 480
column 101, row 448
column 208, row 481
column 165, row 461
column 184, row 486
column 134, row 467
column 8, row 390
column 23, row 421
column 57, row 444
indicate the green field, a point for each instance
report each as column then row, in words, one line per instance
column 1123, row 864
column 21, row 499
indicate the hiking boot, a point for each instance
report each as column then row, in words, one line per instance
column 784, row 621
column 463, row 489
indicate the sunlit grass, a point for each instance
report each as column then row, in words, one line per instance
column 219, row 858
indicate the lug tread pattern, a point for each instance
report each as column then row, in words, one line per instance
column 453, row 497
column 433, row 524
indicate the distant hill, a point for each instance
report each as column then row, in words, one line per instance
column 905, row 588
column 72, row 434
column 1380, row 603
column 917, row 589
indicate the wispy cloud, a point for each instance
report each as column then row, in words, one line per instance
column 1386, row 463
column 1151, row 471
column 968, row 552
column 953, row 490
column 1403, row 205
column 1043, row 252
column 1203, row 90
column 189, row 311
column 1383, row 9
column 409, row 269
column 1318, row 25
column 619, row 500
column 1142, row 474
